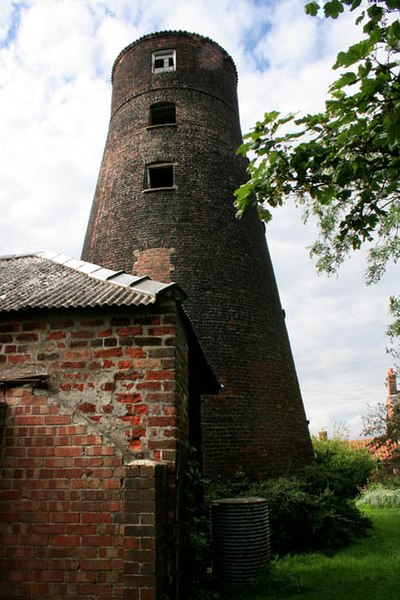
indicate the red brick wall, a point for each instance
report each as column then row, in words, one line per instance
column 117, row 370
column 156, row 261
column 61, row 504
column 83, row 504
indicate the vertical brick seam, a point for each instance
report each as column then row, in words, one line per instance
column 146, row 554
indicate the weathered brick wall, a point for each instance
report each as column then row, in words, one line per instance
column 61, row 505
column 158, row 261
column 146, row 534
column 222, row 263
column 201, row 64
column 117, row 370
column 84, row 508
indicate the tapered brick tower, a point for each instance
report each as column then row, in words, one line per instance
column 164, row 207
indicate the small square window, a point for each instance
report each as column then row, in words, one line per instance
column 163, row 61
column 159, row 176
column 162, row 113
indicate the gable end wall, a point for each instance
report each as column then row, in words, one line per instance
column 88, row 473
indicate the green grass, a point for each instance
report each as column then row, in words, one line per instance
column 367, row 570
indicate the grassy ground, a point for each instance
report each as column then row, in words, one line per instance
column 368, row 570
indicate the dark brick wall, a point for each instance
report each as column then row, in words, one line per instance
column 223, row 264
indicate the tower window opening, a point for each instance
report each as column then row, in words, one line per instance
column 162, row 113
column 159, row 176
column 163, row 61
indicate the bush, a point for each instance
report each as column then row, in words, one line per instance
column 314, row 510
column 195, row 533
column 304, row 520
column 339, row 467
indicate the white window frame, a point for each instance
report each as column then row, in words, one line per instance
column 165, row 56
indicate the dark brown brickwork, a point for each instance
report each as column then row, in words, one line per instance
column 223, row 264
column 97, row 414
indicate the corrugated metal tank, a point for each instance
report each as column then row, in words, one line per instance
column 241, row 540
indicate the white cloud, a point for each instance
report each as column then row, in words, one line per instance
column 55, row 62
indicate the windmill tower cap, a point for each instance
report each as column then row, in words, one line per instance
column 171, row 33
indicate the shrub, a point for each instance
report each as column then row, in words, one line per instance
column 339, row 467
column 314, row 510
column 304, row 520
column 195, row 533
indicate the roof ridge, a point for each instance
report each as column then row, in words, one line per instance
column 96, row 271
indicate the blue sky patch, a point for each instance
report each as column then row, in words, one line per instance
column 11, row 33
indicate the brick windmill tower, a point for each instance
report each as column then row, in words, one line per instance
column 163, row 207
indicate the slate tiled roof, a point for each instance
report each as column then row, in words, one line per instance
column 52, row 280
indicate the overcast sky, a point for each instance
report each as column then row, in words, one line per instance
column 55, row 63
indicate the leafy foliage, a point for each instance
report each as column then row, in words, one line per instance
column 314, row 510
column 196, row 533
column 393, row 331
column 339, row 467
column 341, row 165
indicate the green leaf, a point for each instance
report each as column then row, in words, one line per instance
column 312, row 8
column 333, row 8
column 370, row 86
column 393, row 132
column 360, row 18
column 348, row 78
column 375, row 12
column 393, row 35
column 355, row 53
column 271, row 116
column 365, row 68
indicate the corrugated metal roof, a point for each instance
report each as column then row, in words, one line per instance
column 53, row 280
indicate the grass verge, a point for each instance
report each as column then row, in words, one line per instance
column 367, row 570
